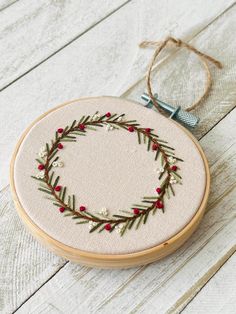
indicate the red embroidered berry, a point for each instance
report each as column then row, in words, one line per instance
column 108, row 227
column 174, row 168
column 81, row 127
column 136, row 211
column 82, row 208
column 41, row 167
column 158, row 190
column 60, row 130
column 57, row 188
column 159, row 204
column 131, row 129
column 154, row 146
column 61, row 209
column 60, row 146
column 147, row 130
column 108, row 114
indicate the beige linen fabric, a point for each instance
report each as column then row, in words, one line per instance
column 109, row 169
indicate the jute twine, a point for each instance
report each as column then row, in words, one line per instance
column 179, row 43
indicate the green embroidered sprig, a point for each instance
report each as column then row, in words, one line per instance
column 138, row 213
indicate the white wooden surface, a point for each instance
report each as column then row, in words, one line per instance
column 53, row 51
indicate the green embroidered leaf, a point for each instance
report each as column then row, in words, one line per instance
column 68, row 203
column 111, row 117
column 86, row 119
column 157, row 154
column 96, row 227
column 139, row 221
column 138, row 205
column 91, row 128
column 40, row 161
column 73, row 202
column 81, row 120
column 47, row 147
column 73, row 124
column 50, row 178
column 45, row 191
column 79, row 133
column 82, row 222
column 149, row 143
column 124, row 229
column 150, row 197
column 144, row 138
column 56, row 181
column 131, row 223
column 67, row 140
column 63, row 194
column 174, row 173
column 53, row 154
column 146, row 217
column 69, row 137
column 57, row 204
column 139, row 138
column 162, row 145
column 171, row 188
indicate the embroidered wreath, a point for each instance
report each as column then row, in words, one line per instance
column 137, row 213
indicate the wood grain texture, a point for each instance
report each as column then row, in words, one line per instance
column 4, row 4
column 165, row 286
column 31, row 31
column 107, row 65
column 25, row 264
column 218, row 295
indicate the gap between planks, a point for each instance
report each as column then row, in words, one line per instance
column 188, row 297
column 65, row 45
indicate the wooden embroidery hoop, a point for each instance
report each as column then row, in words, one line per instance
column 106, row 260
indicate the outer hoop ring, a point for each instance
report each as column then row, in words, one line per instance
column 107, row 260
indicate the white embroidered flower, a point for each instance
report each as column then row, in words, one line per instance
column 173, row 180
column 40, row 174
column 58, row 164
column 171, row 160
column 119, row 228
column 160, row 170
column 104, row 212
column 42, row 154
column 109, row 127
column 92, row 224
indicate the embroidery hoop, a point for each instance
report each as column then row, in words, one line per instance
column 131, row 259
column 110, row 260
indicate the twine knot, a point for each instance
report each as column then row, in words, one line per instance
column 179, row 43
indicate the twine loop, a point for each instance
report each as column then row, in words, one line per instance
column 180, row 44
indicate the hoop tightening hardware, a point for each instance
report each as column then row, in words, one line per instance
column 176, row 113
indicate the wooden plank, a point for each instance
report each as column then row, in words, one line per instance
column 106, row 60
column 218, row 295
column 32, row 31
column 25, row 264
column 166, row 285
column 4, row 4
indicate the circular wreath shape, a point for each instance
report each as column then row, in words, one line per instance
column 130, row 218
